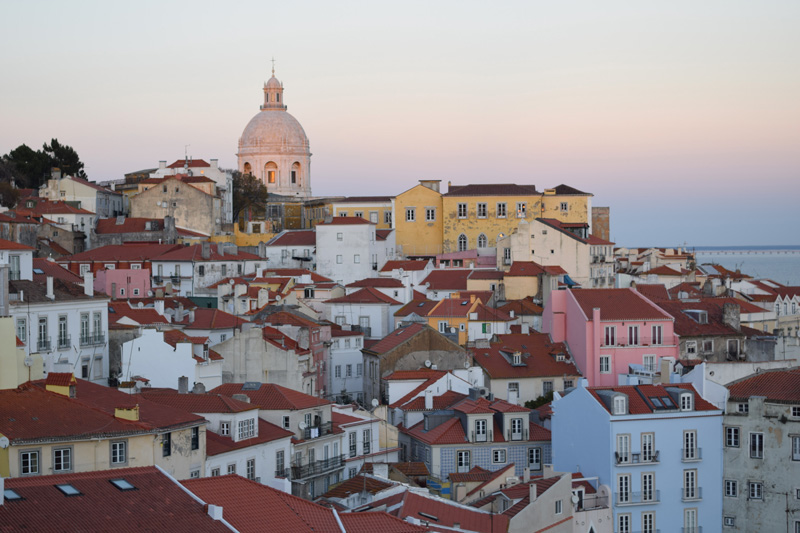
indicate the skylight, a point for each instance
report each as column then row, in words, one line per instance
column 38, row 271
column 122, row 484
column 251, row 385
column 11, row 495
column 656, row 402
column 68, row 489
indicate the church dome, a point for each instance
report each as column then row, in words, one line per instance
column 274, row 130
column 273, row 83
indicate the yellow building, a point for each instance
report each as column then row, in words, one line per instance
column 376, row 209
column 15, row 368
column 475, row 216
column 418, row 220
column 452, row 315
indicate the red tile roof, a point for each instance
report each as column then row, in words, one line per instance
column 282, row 341
column 303, row 237
column 61, row 379
column 407, row 265
column 49, row 268
column 476, row 473
column 663, row 270
column 488, row 314
column 295, row 273
column 500, row 472
column 522, row 308
column 638, row 405
column 373, row 522
column 157, row 504
column 271, row 397
column 447, row 280
column 776, row 386
column 11, row 245
column 420, row 307
column 122, row 252
column 217, row 444
column 448, row 514
column 452, row 307
column 685, row 326
column 492, row 189
column 618, row 304
column 143, row 316
column 470, row 406
column 197, row 403
column 357, row 484
column 347, row 221
column 377, row 282
column 525, row 269
column 443, row 401
column 46, row 207
column 422, row 373
column 367, row 295
column 538, row 357
column 364, row 199
column 195, row 253
column 205, row 318
column 192, row 163
column 653, row 292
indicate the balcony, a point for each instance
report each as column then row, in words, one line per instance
column 176, row 280
column 43, row 345
column 93, row 339
column 323, row 466
column 510, row 435
column 691, row 494
column 694, row 529
column 482, row 437
column 636, row 459
column 64, row 342
column 637, row 498
column 320, row 430
column 691, row 455
column 590, row 502
column 158, row 280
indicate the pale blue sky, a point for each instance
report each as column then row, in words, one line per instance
column 684, row 117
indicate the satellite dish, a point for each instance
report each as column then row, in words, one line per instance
column 452, row 330
column 375, row 402
column 140, row 305
column 4, row 442
column 575, row 499
column 231, row 281
column 28, row 361
column 427, row 363
column 302, row 426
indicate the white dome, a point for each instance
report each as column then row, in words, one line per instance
column 273, row 83
column 274, row 129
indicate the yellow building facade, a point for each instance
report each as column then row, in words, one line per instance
column 419, row 220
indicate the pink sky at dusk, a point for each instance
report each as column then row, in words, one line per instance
column 683, row 117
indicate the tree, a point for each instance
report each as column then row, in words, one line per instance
column 65, row 158
column 540, row 401
column 32, row 167
column 248, row 193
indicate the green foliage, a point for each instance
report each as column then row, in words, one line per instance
column 31, row 168
column 540, row 401
column 65, row 158
column 248, row 193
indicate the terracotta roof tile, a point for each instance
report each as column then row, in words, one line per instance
column 492, row 189
column 417, row 306
column 303, row 237
column 525, row 269
column 776, row 386
column 347, row 221
column 377, row 282
column 618, row 304
column 447, row 280
column 272, row 397
column 358, row 484
column 638, row 405
column 407, row 265
column 11, row 245
column 367, row 295
column 538, row 357
column 448, row 514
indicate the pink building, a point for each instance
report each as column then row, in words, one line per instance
column 123, row 283
column 607, row 330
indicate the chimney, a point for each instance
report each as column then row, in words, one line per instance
column 88, row 283
column 183, row 385
column 380, row 470
column 199, row 388
column 179, row 313
column 532, row 493
column 191, row 316
column 428, row 400
column 50, row 294
column 472, row 298
column 214, row 163
column 205, row 250
column 526, row 475
column 215, row 511
column 5, row 309
column 158, row 305
column 162, row 164
column 731, row 315
column 55, row 173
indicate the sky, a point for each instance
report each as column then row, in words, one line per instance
column 682, row 117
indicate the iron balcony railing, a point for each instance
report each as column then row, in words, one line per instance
column 689, row 494
column 318, row 431
column 93, row 339
column 637, row 498
column 64, row 342
column 43, row 345
column 323, row 466
column 636, row 458
column 588, row 502
column 689, row 455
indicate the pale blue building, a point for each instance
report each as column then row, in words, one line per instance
column 657, row 449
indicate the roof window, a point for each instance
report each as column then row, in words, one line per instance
column 11, row 495
column 68, row 489
column 122, row 484
column 621, row 405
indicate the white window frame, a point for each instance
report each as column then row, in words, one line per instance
column 731, row 488
column 482, row 209
column 605, row 364
column 756, row 441
column 732, row 436
column 499, row 456
column 462, row 210
column 755, row 490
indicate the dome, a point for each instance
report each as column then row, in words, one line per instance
column 274, row 129
column 273, row 83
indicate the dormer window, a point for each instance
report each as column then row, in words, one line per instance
column 620, row 405
column 687, row 401
column 517, row 359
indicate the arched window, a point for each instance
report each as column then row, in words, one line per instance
column 462, row 243
column 248, row 169
column 482, row 241
column 270, row 172
column 295, row 172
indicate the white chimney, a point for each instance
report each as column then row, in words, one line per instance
column 215, row 512
column 532, row 492
column 162, row 164
column 50, row 294
column 88, row 283
column 158, row 305
column 429, row 400
column 526, row 474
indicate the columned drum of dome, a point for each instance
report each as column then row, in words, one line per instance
column 274, row 147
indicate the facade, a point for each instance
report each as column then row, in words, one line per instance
column 19, row 259
column 198, row 167
column 761, row 484
column 348, row 249
column 123, row 283
column 350, row 378
column 655, row 447
column 292, row 249
column 274, row 147
column 608, row 330
column 86, row 194
column 418, row 220
column 192, row 207
column 376, row 209
column 368, row 309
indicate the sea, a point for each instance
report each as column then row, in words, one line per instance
column 778, row 263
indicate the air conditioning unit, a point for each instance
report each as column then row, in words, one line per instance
column 484, row 391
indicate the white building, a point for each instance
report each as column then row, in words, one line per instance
column 292, row 249
column 19, row 259
column 362, row 439
column 350, row 249
column 372, row 311
column 198, row 167
column 90, row 196
column 347, row 366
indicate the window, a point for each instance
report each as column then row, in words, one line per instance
column 136, row 292
column 338, row 371
column 690, row 521
column 516, row 429
column 757, row 445
column 756, row 490
column 29, row 463
column 482, row 210
column 689, row 484
column 225, row 428
column 690, row 445
column 463, row 461
column 462, row 210
column 214, row 472
column 633, row 335
column 359, row 369
column 649, row 522
column 623, row 449
column 742, row 408
column 656, row 335
column 367, row 442
column 648, row 447
column 731, row 488
column 559, row 508
column 119, row 452
column 610, row 336
column 338, row 259
column 387, row 217
column 462, row 243
column 62, row 460
column 43, row 339
column 730, row 521
column 620, row 405
column 247, row 428
column 356, row 258
column 232, row 468
column 795, row 448
column 623, row 523
column 687, row 401
column 279, row 461
column 624, row 488
column 708, row 346
column 480, row 430
column 251, row 469
column 649, row 362
column 224, row 270
column 564, row 206
column 731, row 437
column 568, row 384
column 605, row 364
column 795, row 411
column 22, row 330
column 194, row 474
column 166, row 444
column 501, row 210
column 339, row 237
column 535, row 458
column 648, row 486
column 358, row 214
column 430, row 214
column 521, row 208
column 691, row 347
column 348, row 371
column 352, row 443
column 498, row 456
column 411, row 214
